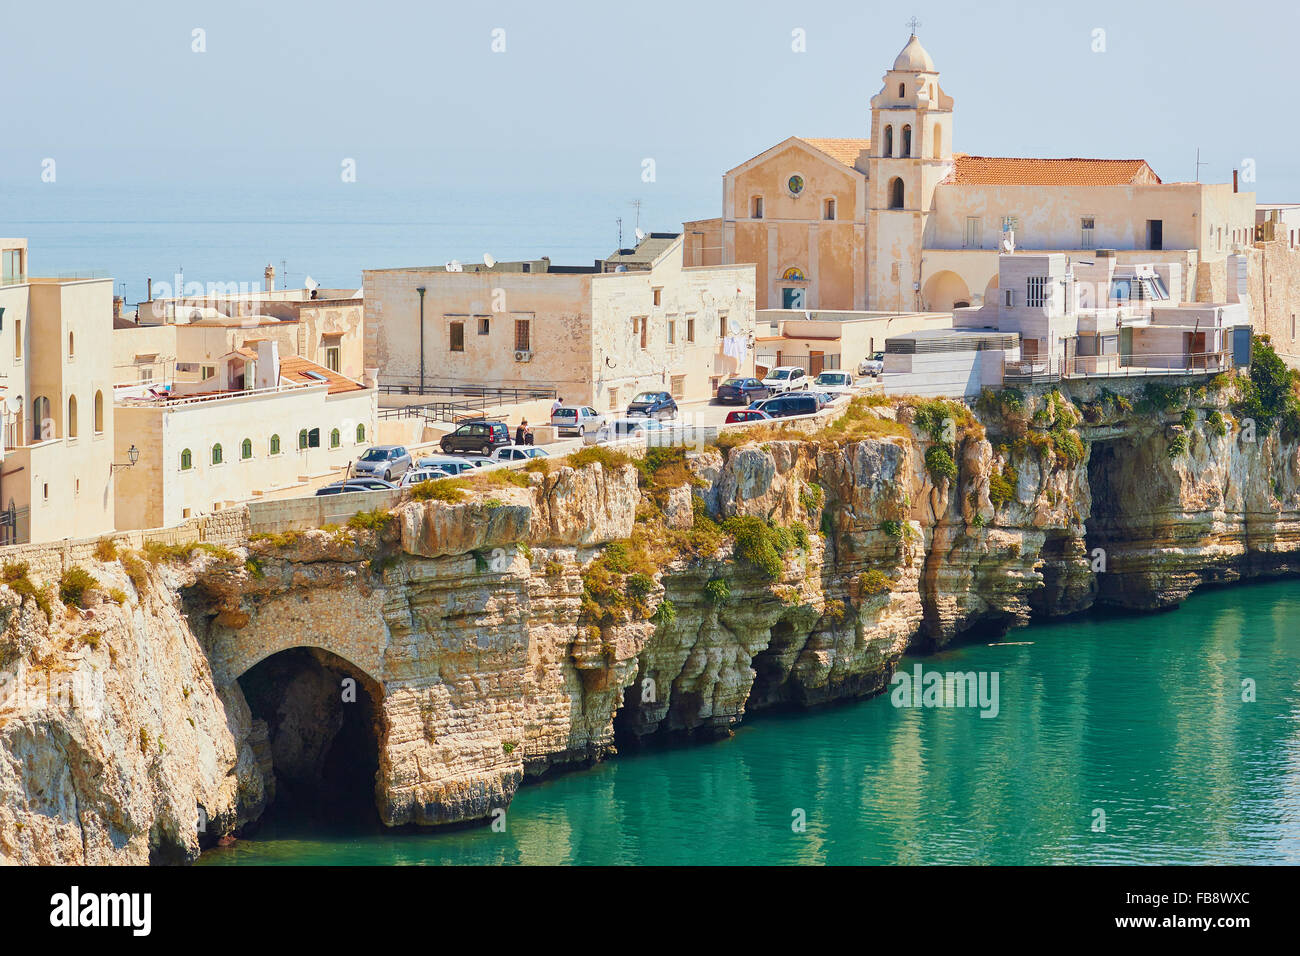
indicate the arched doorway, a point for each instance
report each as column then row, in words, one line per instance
column 323, row 728
column 944, row 290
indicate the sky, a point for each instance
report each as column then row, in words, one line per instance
column 560, row 122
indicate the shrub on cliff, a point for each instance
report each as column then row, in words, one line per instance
column 1214, row 421
column 1002, row 486
column 73, row 585
column 762, row 544
column 939, row 463
column 717, row 591
column 14, row 574
column 607, row 458
column 1177, row 444
column 105, row 550
column 439, row 489
column 158, row 551
column 1268, row 395
column 873, row 583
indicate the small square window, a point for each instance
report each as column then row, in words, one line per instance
column 484, row 326
column 655, row 296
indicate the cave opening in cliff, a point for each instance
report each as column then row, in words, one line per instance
column 322, row 729
column 771, row 687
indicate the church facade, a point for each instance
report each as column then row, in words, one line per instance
column 898, row 222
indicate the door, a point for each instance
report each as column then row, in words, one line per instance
column 1196, row 350
column 1126, row 346
column 816, row 362
column 1155, row 233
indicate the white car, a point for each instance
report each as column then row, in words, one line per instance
column 518, row 453
column 416, row 475
column 621, row 428
column 445, row 463
column 833, row 383
column 786, row 378
column 576, row 420
column 873, row 365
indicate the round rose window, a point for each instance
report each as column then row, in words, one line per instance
column 795, row 185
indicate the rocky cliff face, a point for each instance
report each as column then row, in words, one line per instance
column 544, row 621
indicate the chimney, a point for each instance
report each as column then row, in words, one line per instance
column 270, row 278
column 149, row 295
column 117, row 307
column 268, row 363
column 1234, row 180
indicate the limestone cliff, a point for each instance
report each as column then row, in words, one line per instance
column 542, row 619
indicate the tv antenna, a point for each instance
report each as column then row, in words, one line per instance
column 636, row 204
column 619, row 220
column 1199, row 164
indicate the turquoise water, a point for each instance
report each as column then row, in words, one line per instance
column 1139, row 716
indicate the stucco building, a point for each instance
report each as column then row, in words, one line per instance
column 898, row 221
column 595, row 336
column 264, row 425
column 56, row 477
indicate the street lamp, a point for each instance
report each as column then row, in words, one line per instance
column 133, row 454
column 420, row 290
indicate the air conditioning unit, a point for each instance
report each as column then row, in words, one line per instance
column 523, row 355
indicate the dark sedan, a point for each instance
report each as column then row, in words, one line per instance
column 659, row 405
column 742, row 391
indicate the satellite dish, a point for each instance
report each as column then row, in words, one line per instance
column 640, row 234
column 14, row 404
column 489, row 260
column 310, row 284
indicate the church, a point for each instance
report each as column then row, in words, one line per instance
column 898, row 222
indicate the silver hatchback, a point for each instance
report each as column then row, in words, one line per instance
column 388, row 462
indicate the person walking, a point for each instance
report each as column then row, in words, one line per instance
column 556, row 404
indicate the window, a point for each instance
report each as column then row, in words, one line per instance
column 72, row 346
column 895, row 193
column 756, row 208
column 458, row 336
column 679, row 386
column 246, row 449
column 655, row 295
column 793, row 298
column 1155, row 234
column 829, row 212
column 1086, row 228
column 187, row 459
column 484, row 325
column 332, row 358
column 309, row 438
column 938, row 141
column 72, row 416
column 889, row 141
column 613, row 399
column 146, row 375
column 905, row 146
column 99, row 412
column 672, row 331
column 1009, row 298
column 217, row 456
column 974, row 232
column 722, row 324
column 1010, row 224
column 335, row 438
column 902, row 90
column 690, row 328
column 1036, row 292
column 275, row 444
column 523, row 338
column 209, row 371
column 45, row 491
column 361, row 434
column 795, row 185
column 18, row 340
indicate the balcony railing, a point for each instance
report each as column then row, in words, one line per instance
column 1038, row 371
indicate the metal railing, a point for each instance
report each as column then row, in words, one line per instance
column 449, row 412
column 489, row 395
column 812, row 364
column 1038, row 371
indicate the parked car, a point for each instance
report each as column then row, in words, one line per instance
column 371, row 484
column 873, row 365
column 833, row 383
column 742, row 391
column 519, row 453
column 389, row 462
column 620, row 428
column 783, row 406
column 418, row 474
column 747, row 415
column 653, row 405
column 452, row 466
column 576, row 420
column 480, row 436
column 786, row 378
column 347, row 487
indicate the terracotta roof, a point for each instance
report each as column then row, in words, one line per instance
column 1013, row 171
column 246, row 353
column 841, row 150
column 295, row 369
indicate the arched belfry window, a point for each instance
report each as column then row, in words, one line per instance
column 902, row 90
column 905, row 144
column 895, row 193
column 889, row 142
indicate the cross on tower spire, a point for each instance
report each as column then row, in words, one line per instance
column 912, row 24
